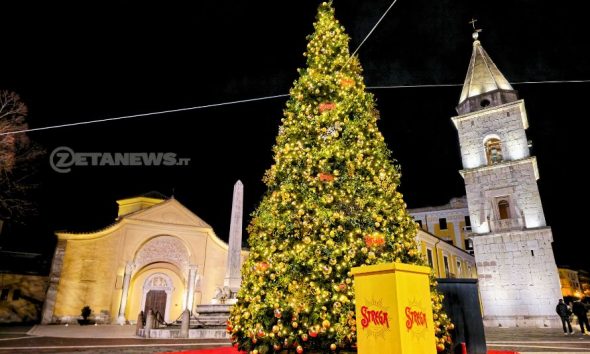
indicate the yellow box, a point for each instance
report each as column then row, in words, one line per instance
column 393, row 309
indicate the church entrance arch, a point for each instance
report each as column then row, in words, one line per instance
column 157, row 295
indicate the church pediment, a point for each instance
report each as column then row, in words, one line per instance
column 168, row 212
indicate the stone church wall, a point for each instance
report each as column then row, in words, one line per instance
column 88, row 278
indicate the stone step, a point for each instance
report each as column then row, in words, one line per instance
column 211, row 316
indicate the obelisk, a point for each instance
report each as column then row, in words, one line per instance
column 233, row 275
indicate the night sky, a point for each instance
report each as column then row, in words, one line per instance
column 83, row 62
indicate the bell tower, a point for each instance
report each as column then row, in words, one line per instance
column 518, row 277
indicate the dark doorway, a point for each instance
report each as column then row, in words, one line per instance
column 156, row 301
column 504, row 209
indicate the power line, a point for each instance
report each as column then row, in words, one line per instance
column 144, row 114
column 189, row 108
column 551, row 82
column 451, row 85
column 411, row 86
column 371, row 31
column 254, row 100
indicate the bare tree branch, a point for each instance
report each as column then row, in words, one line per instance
column 17, row 157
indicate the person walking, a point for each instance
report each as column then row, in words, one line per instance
column 579, row 310
column 564, row 314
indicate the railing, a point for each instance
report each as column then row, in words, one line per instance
column 506, row 224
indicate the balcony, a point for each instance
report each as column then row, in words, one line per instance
column 506, row 224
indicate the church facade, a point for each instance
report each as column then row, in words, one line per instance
column 157, row 255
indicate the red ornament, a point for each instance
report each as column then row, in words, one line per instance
column 313, row 333
column 376, row 240
column 327, row 106
column 326, row 177
column 346, row 82
column 299, row 349
column 262, row 266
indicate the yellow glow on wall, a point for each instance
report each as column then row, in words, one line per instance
column 87, row 278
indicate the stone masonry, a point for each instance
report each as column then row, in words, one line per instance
column 518, row 278
column 516, row 271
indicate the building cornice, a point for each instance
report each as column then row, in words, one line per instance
column 484, row 112
column 530, row 159
column 443, row 245
column 152, row 225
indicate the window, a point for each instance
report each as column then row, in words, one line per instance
column 442, row 223
column 484, row 103
column 429, row 256
column 16, row 294
column 4, row 294
column 419, row 223
column 468, row 221
column 459, row 268
column 469, row 244
column 446, row 262
column 493, row 151
column 532, row 253
column 504, row 209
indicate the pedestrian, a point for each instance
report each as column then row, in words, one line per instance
column 579, row 310
column 564, row 314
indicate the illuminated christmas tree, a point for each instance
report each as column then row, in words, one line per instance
column 332, row 204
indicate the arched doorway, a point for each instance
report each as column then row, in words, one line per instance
column 157, row 294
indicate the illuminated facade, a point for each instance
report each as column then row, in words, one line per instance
column 584, row 278
column 446, row 260
column 518, row 279
column 449, row 222
column 571, row 284
column 157, row 254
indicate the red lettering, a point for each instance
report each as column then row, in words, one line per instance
column 379, row 318
column 365, row 320
column 415, row 317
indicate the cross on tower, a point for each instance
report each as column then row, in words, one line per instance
column 475, row 30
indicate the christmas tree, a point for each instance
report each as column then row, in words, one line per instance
column 332, row 204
